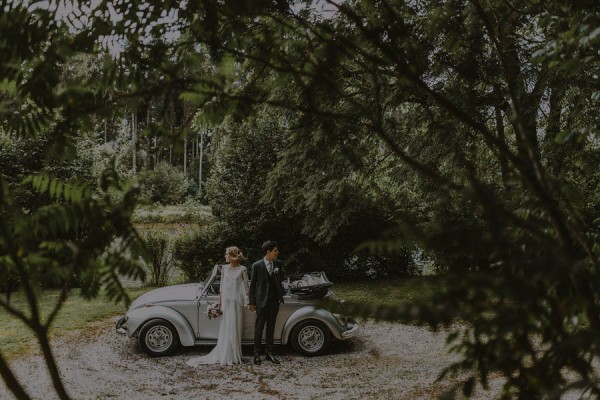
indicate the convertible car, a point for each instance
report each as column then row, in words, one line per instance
column 165, row 318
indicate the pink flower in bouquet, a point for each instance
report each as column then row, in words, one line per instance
column 214, row 311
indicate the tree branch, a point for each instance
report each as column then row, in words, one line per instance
column 15, row 312
column 11, row 380
column 537, row 180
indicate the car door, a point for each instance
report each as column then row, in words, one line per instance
column 208, row 329
column 285, row 310
column 249, row 319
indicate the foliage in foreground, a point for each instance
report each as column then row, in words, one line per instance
column 472, row 124
column 56, row 228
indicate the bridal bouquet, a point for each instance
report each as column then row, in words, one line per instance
column 213, row 311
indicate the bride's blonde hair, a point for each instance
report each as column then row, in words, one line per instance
column 234, row 253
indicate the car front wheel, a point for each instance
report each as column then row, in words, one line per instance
column 158, row 338
column 311, row 337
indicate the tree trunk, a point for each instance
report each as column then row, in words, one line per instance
column 42, row 335
column 501, row 136
column 171, row 148
column 200, row 165
column 149, row 145
column 185, row 154
column 134, row 140
column 556, row 152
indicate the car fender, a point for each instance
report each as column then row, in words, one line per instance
column 138, row 317
column 311, row 312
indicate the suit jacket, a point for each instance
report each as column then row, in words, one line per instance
column 259, row 282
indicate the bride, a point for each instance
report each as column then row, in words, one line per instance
column 232, row 297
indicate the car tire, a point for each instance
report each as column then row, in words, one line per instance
column 311, row 337
column 158, row 337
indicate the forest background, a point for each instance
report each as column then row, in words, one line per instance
column 371, row 139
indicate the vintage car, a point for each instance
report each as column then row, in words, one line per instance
column 165, row 318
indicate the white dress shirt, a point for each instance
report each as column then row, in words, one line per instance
column 269, row 265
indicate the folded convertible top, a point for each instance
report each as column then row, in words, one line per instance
column 313, row 285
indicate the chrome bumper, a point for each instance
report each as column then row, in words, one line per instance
column 352, row 326
column 121, row 326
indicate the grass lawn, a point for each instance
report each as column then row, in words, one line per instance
column 16, row 339
column 390, row 291
column 364, row 297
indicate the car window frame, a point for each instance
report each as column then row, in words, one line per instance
column 217, row 271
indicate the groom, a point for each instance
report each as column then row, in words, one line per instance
column 266, row 294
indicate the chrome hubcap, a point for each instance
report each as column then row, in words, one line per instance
column 159, row 338
column 311, row 338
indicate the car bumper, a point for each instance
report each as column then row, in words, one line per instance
column 121, row 326
column 352, row 329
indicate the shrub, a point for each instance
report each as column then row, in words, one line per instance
column 344, row 265
column 197, row 251
column 160, row 252
column 166, row 184
column 370, row 266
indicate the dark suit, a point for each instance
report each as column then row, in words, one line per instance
column 266, row 293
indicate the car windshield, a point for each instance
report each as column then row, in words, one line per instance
column 213, row 281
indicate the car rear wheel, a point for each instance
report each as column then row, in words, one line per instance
column 311, row 337
column 158, row 338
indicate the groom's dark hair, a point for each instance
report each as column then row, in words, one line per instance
column 269, row 245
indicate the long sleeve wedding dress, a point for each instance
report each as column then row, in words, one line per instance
column 234, row 293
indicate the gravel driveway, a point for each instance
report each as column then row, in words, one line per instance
column 386, row 361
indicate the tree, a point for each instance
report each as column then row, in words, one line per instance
column 235, row 188
column 258, row 190
column 74, row 228
column 57, row 84
column 483, row 108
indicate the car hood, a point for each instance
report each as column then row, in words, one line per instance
column 169, row 293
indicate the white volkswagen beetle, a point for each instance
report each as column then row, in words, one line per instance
column 165, row 318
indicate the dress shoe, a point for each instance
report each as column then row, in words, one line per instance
column 272, row 358
column 256, row 360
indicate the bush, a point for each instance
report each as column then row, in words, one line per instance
column 349, row 265
column 166, row 184
column 160, row 252
column 197, row 251
column 370, row 266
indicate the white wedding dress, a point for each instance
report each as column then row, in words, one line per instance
column 234, row 295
